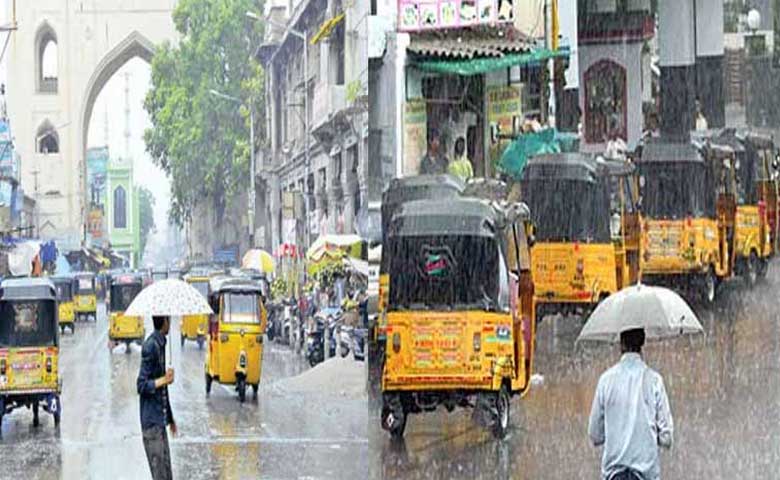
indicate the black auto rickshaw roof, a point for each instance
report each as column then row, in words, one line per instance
column 421, row 186
column 574, row 166
column 128, row 278
column 665, row 151
column 27, row 289
column 84, row 274
column 728, row 137
column 455, row 216
column 226, row 283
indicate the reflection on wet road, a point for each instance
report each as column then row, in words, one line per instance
column 279, row 435
column 724, row 390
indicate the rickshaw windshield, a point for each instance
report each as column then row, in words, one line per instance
column 28, row 323
column 202, row 288
column 568, row 210
column 444, row 272
column 63, row 291
column 676, row 190
column 123, row 295
column 86, row 286
column 241, row 308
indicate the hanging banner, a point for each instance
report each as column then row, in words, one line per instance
column 416, row 15
column 415, row 135
column 504, row 104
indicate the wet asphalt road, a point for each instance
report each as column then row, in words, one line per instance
column 724, row 391
column 279, row 435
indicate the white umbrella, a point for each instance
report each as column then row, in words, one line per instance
column 659, row 311
column 170, row 297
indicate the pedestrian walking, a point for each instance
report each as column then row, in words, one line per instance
column 156, row 414
column 461, row 165
column 434, row 162
column 630, row 416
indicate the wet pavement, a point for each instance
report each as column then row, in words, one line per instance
column 723, row 387
column 278, row 435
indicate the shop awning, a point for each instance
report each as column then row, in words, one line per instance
column 327, row 27
column 480, row 65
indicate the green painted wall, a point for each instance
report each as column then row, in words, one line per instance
column 126, row 240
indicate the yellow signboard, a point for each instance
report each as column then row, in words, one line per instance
column 415, row 135
column 504, row 104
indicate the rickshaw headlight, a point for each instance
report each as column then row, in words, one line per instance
column 396, row 342
column 48, row 364
column 477, row 341
column 223, row 338
column 242, row 361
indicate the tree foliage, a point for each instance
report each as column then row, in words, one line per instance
column 146, row 204
column 201, row 140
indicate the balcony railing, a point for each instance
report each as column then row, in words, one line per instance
column 328, row 100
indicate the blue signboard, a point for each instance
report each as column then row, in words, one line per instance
column 8, row 157
column 97, row 165
column 227, row 255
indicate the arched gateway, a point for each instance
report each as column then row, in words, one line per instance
column 93, row 40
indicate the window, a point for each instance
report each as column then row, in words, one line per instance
column 339, row 52
column 47, row 140
column 120, row 208
column 46, row 59
column 605, row 102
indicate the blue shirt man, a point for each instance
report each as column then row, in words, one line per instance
column 155, row 408
column 630, row 415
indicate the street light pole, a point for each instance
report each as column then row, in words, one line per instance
column 251, row 161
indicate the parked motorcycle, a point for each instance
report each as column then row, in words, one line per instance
column 315, row 337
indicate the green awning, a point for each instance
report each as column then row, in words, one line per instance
column 477, row 66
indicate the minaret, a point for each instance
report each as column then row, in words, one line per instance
column 127, row 116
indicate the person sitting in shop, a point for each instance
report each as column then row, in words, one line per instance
column 434, row 162
column 461, row 166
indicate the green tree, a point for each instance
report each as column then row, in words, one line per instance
column 146, row 204
column 200, row 140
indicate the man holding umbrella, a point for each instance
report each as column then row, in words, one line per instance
column 152, row 385
column 630, row 416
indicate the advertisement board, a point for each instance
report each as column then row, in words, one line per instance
column 417, row 15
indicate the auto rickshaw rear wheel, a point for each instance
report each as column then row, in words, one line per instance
column 752, row 269
column 763, row 268
column 255, row 387
column 501, row 422
column 208, row 384
column 36, row 420
column 394, row 416
column 182, row 340
column 201, row 340
column 241, row 388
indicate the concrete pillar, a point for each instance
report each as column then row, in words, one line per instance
column 677, row 46
column 275, row 210
column 709, row 61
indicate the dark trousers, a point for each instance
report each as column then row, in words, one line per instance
column 626, row 475
column 157, row 452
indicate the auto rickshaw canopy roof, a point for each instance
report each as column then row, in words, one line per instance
column 419, row 187
column 664, row 151
column 461, row 216
column 27, row 289
column 225, row 284
column 574, row 166
column 127, row 279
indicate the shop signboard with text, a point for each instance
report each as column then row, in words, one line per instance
column 417, row 15
column 504, row 106
column 415, row 134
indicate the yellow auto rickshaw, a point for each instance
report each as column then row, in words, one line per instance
column 586, row 230
column 460, row 314
column 235, row 336
column 123, row 329
column 86, row 296
column 29, row 348
column 67, row 315
column 195, row 327
column 689, row 208
column 757, row 195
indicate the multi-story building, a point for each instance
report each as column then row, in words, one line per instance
column 313, row 172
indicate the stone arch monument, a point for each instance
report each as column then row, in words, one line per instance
column 94, row 39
